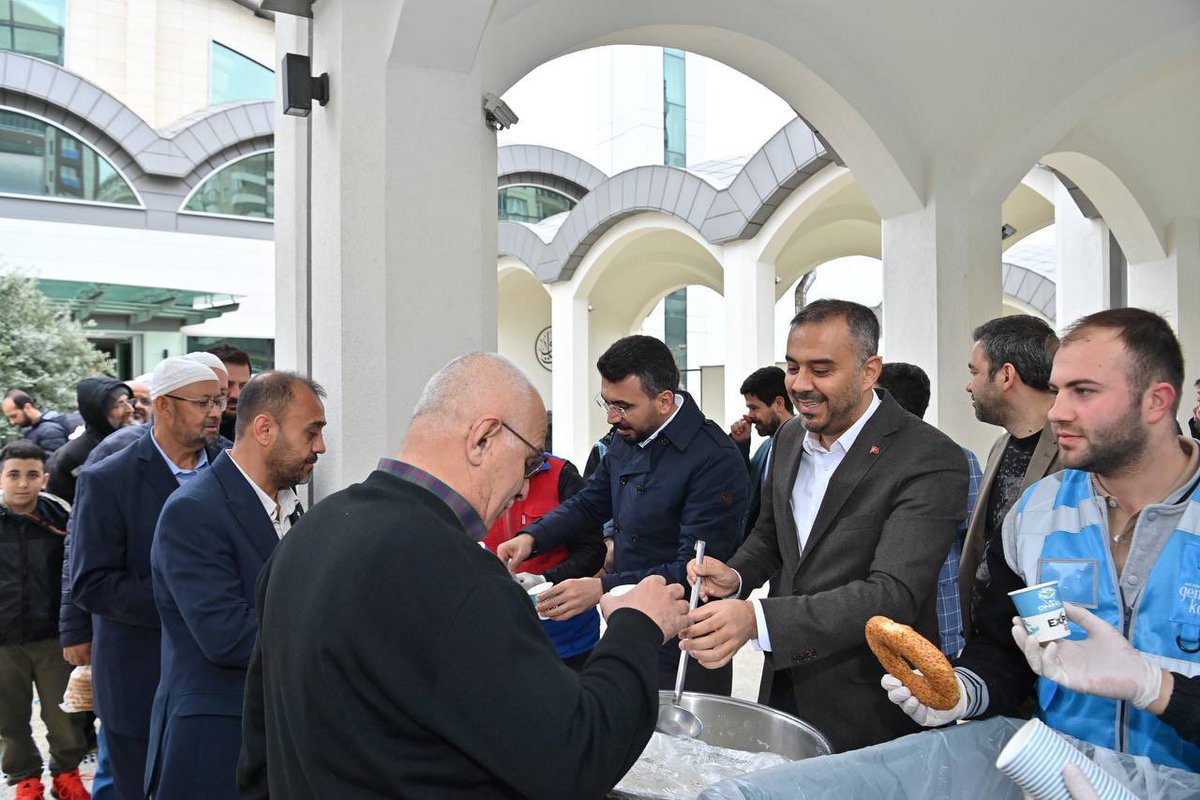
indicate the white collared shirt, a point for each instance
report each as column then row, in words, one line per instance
column 678, row 405
column 280, row 512
column 808, row 492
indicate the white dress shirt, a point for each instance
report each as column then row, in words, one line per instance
column 651, row 437
column 817, row 466
column 280, row 512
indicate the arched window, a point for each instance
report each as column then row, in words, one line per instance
column 530, row 203
column 242, row 188
column 40, row 159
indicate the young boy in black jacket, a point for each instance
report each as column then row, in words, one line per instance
column 32, row 525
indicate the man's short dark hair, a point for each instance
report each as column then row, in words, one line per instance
column 766, row 384
column 231, row 355
column 1023, row 340
column 1154, row 351
column 269, row 393
column 864, row 327
column 643, row 356
column 908, row 385
column 22, row 450
column 19, row 397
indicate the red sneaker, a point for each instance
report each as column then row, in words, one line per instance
column 30, row 789
column 68, row 786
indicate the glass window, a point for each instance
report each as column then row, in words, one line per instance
column 43, row 160
column 530, row 203
column 261, row 351
column 33, row 28
column 244, row 188
column 674, row 102
column 235, row 77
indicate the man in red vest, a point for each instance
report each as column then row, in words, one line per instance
column 557, row 480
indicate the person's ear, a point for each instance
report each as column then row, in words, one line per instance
column 45, row 481
column 871, row 369
column 263, row 428
column 1158, row 401
column 480, row 437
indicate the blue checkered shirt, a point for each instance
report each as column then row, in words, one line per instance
column 466, row 514
column 949, row 609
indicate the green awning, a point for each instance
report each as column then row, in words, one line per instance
column 140, row 304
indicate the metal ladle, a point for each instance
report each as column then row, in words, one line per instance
column 674, row 719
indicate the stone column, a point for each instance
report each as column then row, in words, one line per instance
column 941, row 278
column 1164, row 285
column 403, row 219
column 1083, row 285
column 292, row 278
column 570, row 381
column 749, row 320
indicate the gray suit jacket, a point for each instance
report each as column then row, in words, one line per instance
column 880, row 536
column 1043, row 462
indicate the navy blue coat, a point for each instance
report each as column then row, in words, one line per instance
column 117, row 503
column 212, row 540
column 689, row 483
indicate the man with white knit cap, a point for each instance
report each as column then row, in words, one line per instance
column 117, row 505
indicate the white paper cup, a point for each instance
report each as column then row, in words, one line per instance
column 1041, row 611
column 1034, row 758
column 536, row 592
column 624, row 588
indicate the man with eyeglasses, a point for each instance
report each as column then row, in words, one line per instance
column 403, row 658
column 117, row 507
column 104, row 403
column 669, row 478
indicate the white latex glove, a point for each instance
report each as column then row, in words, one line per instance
column 1078, row 784
column 1103, row 664
column 922, row 714
column 528, row 580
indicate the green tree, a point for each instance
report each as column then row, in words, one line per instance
column 43, row 350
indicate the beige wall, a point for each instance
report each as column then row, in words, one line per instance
column 153, row 55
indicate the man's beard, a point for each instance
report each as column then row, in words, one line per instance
column 1112, row 448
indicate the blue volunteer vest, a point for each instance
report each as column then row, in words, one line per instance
column 1059, row 531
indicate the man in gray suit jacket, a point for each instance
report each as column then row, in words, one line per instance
column 1010, row 387
column 864, row 500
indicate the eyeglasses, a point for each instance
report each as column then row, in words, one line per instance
column 533, row 464
column 202, row 403
column 610, row 408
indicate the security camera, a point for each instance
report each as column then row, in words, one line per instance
column 496, row 113
column 1006, row 231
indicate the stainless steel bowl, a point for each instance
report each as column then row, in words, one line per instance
column 742, row 725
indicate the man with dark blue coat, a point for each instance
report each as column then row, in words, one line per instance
column 669, row 478
column 117, row 504
column 213, row 537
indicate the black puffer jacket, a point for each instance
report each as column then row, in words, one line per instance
column 31, row 555
column 93, row 397
column 52, row 430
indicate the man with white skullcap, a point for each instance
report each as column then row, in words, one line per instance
column 117, row 505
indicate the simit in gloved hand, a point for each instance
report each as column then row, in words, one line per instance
column 1103, row 664
column 528, row 580
column 922, row 714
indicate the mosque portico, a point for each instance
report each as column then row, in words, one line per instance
column 932, row 121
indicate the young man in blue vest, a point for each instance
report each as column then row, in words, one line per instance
column 1119, row 529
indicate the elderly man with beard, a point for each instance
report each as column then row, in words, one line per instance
column 861, row 502
column 212, row 540
column 1117, row 528
column 116, row 509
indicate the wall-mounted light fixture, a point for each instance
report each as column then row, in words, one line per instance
column 1006, row 231
column 300, row 88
